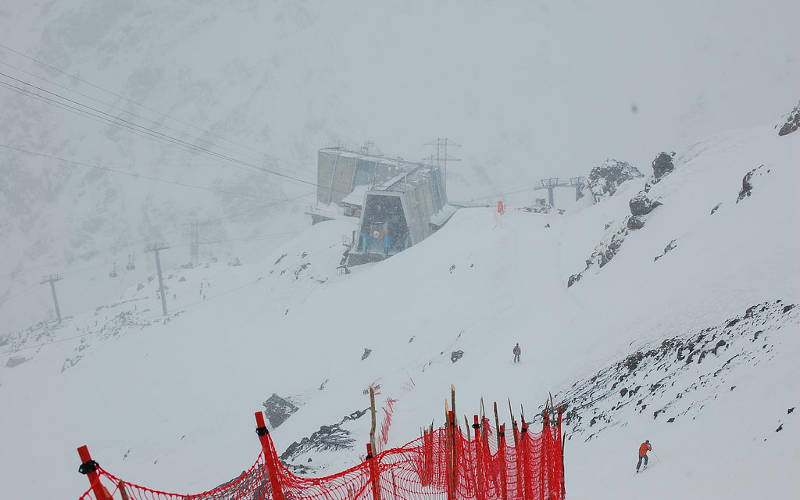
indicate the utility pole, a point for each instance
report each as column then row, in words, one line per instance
column 155, row 248
column 52, row 279
column 440, row 155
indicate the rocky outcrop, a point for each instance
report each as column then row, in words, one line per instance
column 642, row 204
column 663, row 165
column 635, row 222
column 747, row 182
column 791, row 123
column 604, row 180
column 278, row 409
column 603, row 252
column 670, row 247
column 671, row 380
column 328, row 438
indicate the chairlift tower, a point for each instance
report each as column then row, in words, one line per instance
column 155, row 248
column 52, row 279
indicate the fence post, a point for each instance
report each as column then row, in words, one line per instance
column 562, row 489
column 479, row 472
column 373, row 474
column 526, row 464
column 501, row 455
column 453, row 459
column 89, row 468
column 544, row 481
column 269, row 456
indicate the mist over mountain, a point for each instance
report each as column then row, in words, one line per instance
column 130, row 124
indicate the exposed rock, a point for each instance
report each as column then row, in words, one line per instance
column 670, row 246
column 716, row 207
column 791, row 123
column 642, row 204
column 635, row 222
column 663, row 165
column 15, row 361
column 278, row 409
column 366, row 354
column 747, row 187
column 327, row 438
column 604, row 179
column 603, row 253
column 669, row 378
column 456, row 355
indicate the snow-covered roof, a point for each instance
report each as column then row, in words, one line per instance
column 356, row 196
column 396, row 162
column 439, row 218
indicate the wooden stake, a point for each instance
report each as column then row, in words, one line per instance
column 121, row 488
column 453, row 398
column 372, row 412
column 497, row 424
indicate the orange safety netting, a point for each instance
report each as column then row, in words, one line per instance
column 442, row 464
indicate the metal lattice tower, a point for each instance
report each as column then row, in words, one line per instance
column 440, row 155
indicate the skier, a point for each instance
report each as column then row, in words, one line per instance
column 643, row 449
column 517, row 351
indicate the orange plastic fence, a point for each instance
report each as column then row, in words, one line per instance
column 443, row 464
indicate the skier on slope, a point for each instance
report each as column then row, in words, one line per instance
column 517, row 351
column 643, row 449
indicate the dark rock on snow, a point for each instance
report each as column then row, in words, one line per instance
column 604, row 179
column 635, row 222
column 792, row 122
column 663, row 165
column 278, row 409
column 642, row 204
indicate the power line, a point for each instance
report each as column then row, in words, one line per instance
column 120, row 96
column 125, row 172
column 91, row 98
column 135, row 127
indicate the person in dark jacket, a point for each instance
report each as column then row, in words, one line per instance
column 517, row 351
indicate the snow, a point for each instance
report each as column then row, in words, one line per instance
column 170, row 405
column 168, row 402
column 356, row 197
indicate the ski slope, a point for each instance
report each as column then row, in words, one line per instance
column 168, row 403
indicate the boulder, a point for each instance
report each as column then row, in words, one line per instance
column 642, row 204
column 603, row 180
column 663, row 165
column 792, row 122
column 278, row 409
column 635, row 222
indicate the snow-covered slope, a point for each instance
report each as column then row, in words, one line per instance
column 530, row 89
column 169, row 403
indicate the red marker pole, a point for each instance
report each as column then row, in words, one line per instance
column 89, row 467
column 269, row 456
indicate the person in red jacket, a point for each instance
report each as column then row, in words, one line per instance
column 643, row 449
